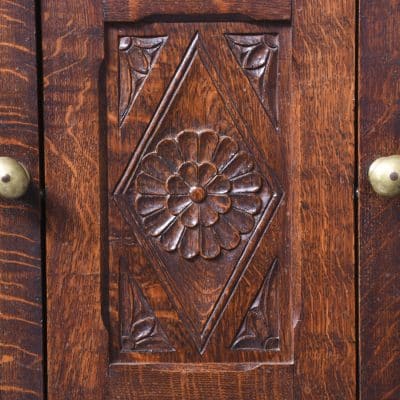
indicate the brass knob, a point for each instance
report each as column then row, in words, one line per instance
column 14, row 178
column 384, row 176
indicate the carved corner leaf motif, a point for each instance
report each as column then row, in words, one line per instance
column 258, row 57
column 137, row 56
column 198, row 193
column 141, row 330
column 260, row 328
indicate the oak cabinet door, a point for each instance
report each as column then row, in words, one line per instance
column 200, row 171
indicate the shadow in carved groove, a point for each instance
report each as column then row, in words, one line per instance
column 137, row 57
column 140, row 328
column 258, row 57
column 260, row 328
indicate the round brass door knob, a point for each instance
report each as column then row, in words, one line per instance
column 14, row 178
column 384, row 176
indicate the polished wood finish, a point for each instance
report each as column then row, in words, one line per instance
column 326, row 342
column 191, row 385
column 118, row 325
column 189, row 254
column 379, row 218
column 133, row 10
column 21, row 369
column 77, row 339
column 115, row 328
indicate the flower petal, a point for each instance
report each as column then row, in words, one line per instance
column 208, row 216
column 208, row 141
column 228, row 237
column 158, row 222
column 249, row 203
column 146, row 204
column 227, row 148
column 239, row 165
column 220, row 184
column 188, row 144
column 188, row 172
column 155, row 166
column 251, row 182
column 177, row 203
column 146, row 184
column 242, row 221
column 206, row 172
column 176, row 185
column 221, row 203
column 190, row 246
column 170, row 238
column 209, row 245
column 168, row 150
column 190, row 217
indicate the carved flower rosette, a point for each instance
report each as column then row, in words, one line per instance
column 198, row 193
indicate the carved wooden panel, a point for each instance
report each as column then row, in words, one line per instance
column 106, row 274
column 195, row 178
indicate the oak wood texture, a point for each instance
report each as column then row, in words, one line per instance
column 324, row 65
column 21, row 370
column 379, row 218
column 92, row 252
column 77, row 339
column 189, row 385
column 198, row 298
column 132, row 10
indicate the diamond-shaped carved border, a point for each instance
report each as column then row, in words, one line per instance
column 195, row 49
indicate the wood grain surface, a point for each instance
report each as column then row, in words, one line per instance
column 379, row 224
column 20, row 256
column 324, row 65
column 133, row 10
column 146, row 383
column 200, row 299
column 77, row 341
column 318, row 134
